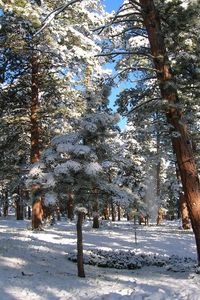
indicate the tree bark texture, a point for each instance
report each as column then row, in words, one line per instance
column 37, row 214
column 80, row 264
column 106, row 211
column 184, row 213
column 113, row 214
column 158, row 167
column 19, row 209
column 159, row 219
column 180, row 140
column 35, row 146
column 5, row 204
column 19, row 205
column 118, row 212
column 37, row 207
column 95, row 209
column 70, row 206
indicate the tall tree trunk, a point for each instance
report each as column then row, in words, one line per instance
column 118, row 212
column 113, row 211
column 29, row 213
column 183, row 204
column 5, row 204
column 159, row 218
column 180, row 140
column 35, row 145
column 80, row 264
column 184, row 213
column 37, row 208
column 20, row 205
column 70, row 206
column 106, row 211
column 95, row 209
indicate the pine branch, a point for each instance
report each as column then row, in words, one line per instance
column 54, row 13
column 137, row 69
column 140, row 105
column 114, row 54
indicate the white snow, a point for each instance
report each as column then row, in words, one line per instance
column 93, row 169
column 50, row 198
column 34, row 266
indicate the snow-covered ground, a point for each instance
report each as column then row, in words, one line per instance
column 35, row 266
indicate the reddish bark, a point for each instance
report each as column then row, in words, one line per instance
column 159, row 219
column 37, row 207
column 184, row 213
column 106, row 212
column 37, row 214
column 180, row 140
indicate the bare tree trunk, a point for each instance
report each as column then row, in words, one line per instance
column 58, row 213
column 118, row 212
column 19, row 205
column 37, row 209
column 180, row 140
column 80, row 264
column 35, row 144
column 5, row 204
column 37, row 214
column 183, row 204
column 70, row 206
column 106, row 211
column 113, row 211
column 184, row 213
column 95, row 209
column 159, row 217
column 29, row 212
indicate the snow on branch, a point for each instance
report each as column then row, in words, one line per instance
column 72, row 138
column 80, row 209
column 50, row 198
column 54, row 13
column 93, row 169
column 66, row 167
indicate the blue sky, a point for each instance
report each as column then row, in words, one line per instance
column 111, row 5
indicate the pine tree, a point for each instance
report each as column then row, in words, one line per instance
column 144, row 50
column 46, row 69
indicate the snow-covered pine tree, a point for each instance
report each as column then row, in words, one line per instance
column 144, row 50
column 41, row 72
